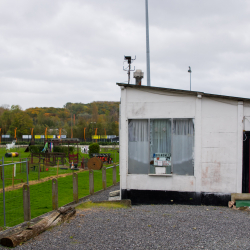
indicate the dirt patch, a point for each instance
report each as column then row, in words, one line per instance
column 34, row 182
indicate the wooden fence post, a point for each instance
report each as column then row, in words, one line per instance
column 39, row 166
column 104, row 179
column 91, row 181
column 75, row 187
column 26, row 202
column 114, row 174
column 54, row 194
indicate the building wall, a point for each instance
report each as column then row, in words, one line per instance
column 218, row 144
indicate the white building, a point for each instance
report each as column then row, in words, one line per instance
column 180, row 146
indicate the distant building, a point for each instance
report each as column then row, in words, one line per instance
column 180, row 146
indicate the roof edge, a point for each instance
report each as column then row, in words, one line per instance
column 181, row 91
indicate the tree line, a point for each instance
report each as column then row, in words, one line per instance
column 96, row 117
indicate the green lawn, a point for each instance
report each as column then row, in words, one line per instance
column 41, row 195
column 21, row 175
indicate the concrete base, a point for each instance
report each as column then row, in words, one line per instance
column 115, row 195
column 138, row 197
column 115, row 198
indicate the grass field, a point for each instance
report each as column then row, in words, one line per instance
column 41, row 194
column 21, row 176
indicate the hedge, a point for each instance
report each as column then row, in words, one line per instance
column 36, row 149
column 58, row 149
column 94, row 148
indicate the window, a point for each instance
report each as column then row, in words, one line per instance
column 183, row 146
column 138, row 147
column 161, row 146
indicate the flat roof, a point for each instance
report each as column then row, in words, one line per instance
column 180, row 91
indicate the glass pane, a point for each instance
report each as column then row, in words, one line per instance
column 138, row 147
column 160, row 146
column 183, row 146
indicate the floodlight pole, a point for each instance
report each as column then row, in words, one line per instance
column 147, row 45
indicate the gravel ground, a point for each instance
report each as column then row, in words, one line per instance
column 149, row 227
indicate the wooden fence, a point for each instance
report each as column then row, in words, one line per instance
column 26, row 190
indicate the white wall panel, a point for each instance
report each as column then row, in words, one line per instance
column 219, row 145
column 174, row 183
column 161, row 110
column 218, row 177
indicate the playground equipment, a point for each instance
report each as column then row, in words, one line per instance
column 11, row 145
column 45, row 147
column 103, row 157
column 95, row 163
column 50, row 158
column 85, row 150
column 28, row 148
column 73, row 160
column 12, row 154
column 84, row 163
column 67, row 141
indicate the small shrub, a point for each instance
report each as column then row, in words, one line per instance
column 94, row 148
column 36, row 149
column 60, row 149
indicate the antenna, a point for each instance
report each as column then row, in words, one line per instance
column 129, row 59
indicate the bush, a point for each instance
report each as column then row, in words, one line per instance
column 94, row 148
column 60, row 149
column 36, row 149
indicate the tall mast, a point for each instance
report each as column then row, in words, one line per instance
column 147, row 45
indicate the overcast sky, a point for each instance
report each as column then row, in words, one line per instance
column 54, row 52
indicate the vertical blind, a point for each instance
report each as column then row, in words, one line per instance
column 183, row 146
column 138, row 147
column 160, row 136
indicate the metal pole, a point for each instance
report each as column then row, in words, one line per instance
column 27, row 170
column 190, row 80
column 4, row 215
column 147, row 45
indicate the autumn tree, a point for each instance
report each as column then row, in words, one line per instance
column 94, row 112
column 22, row 122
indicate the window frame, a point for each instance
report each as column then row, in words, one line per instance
column 172, row 135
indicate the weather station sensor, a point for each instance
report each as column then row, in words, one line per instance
column 128, row 69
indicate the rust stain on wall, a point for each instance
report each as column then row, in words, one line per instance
column 138, row 109
column 211, row 176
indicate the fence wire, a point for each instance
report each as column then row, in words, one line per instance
column 16, row 174
column 13, row 176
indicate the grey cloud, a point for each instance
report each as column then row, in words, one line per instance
column 53, row 52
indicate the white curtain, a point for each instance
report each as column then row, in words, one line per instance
column 138, row 147
column 160, row 135
column 183, row 146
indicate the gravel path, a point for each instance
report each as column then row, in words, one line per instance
column 149, row 227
